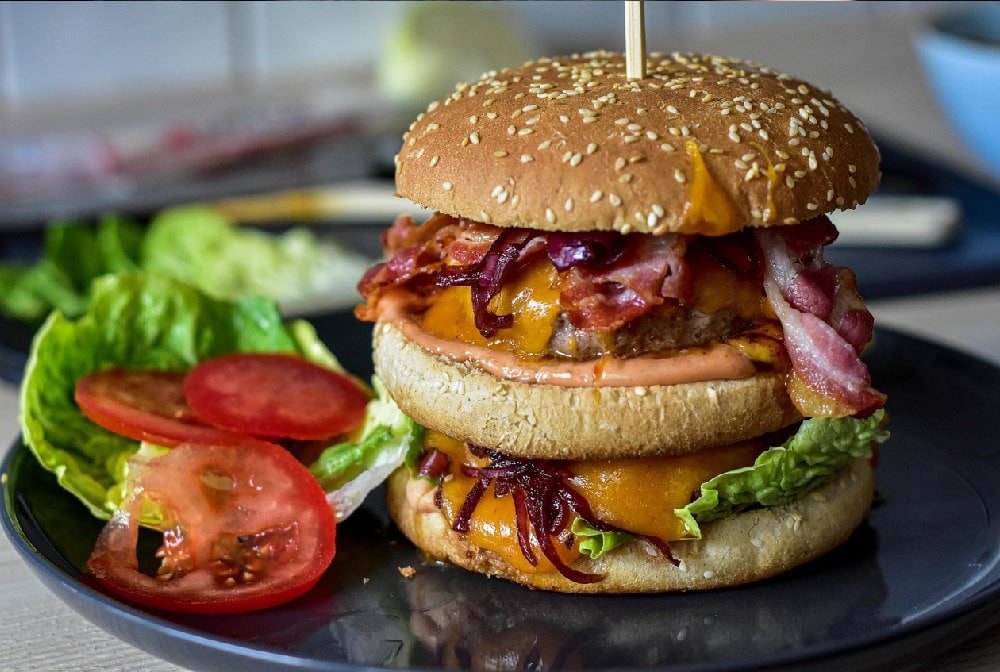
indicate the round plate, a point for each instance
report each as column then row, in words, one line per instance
column 921, row 575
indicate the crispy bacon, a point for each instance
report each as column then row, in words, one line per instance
column 608, row 278
column 649, row 270
column 825, row 321
column 415, row 252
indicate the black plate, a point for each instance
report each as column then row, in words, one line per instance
column 920, row 576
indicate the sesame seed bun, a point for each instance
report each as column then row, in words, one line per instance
column 556, row 422
column 571, row 144
column 741, row 548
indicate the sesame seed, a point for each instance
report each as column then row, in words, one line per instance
column 525, row 131
column 679, row 176
column 545, row 144
column 550, row 216
column 651, row 220
column 569, row 205
column 527, row 158
column 626, row 178
column 614, row 199
column 812, row 206
column 799, row 174
column 447, row 186
column 596, row 196
column 620, row 163
column 667, row 147
column 500, row 153
column 589, row 120
column 708, row 574
column 511, row 130
column 658, row 210
column 756, row 543
column 591, row 148
column 474, row 119
column 474, row 138
column 622, row 122
column 434, row 160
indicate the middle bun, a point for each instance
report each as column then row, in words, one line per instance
column 555, row 422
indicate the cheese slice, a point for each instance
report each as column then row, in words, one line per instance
column 636, row 495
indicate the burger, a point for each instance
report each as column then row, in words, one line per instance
column 635, row 369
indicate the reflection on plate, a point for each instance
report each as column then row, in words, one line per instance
column 921, row 575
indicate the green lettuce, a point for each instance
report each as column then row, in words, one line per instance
column 811, row 457
column 75, row 253
column 349, row 470
column 195, row 244
column 200, row 245
column 135, row 320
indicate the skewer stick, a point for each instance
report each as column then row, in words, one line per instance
column 635, row 40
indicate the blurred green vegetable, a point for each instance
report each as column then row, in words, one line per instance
column 192, row 243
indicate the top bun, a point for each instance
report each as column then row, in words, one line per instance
column 702, row 144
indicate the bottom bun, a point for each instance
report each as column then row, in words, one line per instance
column 738, row 549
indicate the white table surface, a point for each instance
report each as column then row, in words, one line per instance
column 876, row 73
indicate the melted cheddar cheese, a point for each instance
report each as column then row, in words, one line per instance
column 637, row 495
column 709, row 210
column 532, row 298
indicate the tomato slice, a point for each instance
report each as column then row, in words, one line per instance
column 146, row 405
column 275, row 395
column 244, row 528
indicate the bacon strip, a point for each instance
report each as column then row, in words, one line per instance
column 649, row 270
column 608, row 278
column 825, row 321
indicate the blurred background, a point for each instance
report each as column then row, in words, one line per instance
column 113, row 103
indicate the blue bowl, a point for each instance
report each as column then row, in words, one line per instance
column 960, row 53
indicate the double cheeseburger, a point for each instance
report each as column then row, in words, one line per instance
column 635, row 368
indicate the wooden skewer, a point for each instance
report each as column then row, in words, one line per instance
column 635, row 40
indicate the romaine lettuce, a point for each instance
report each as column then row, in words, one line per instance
column 75, row 254
column 134, row 320
column 812, row 456
column 818, row 450
column 349, row 470
column 200, row 245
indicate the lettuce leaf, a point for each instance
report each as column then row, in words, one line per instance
column 350, row 470
column 134, row 320
column 200, row 245
column 75, row 253
column 818, row 450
